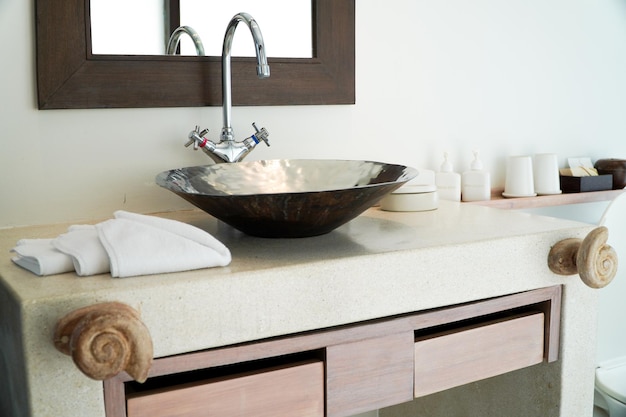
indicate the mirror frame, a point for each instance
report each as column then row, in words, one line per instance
column 70, row 77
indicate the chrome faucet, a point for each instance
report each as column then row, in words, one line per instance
column 172, row 44
column 227, row 149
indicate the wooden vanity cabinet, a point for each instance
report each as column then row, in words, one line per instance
column 346, row 370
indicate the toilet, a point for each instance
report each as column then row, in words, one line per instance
column 610, row 380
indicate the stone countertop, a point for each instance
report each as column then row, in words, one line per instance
column 280, row 286
column 378, row 265
column 376, row 232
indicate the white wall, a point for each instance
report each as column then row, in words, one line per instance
column 505, row 77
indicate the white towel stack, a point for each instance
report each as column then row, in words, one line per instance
column 128, row 245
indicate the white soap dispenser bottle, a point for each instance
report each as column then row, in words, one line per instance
column 448, row 182
column 476, row 183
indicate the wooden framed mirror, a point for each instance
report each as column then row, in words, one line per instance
column 69, row 76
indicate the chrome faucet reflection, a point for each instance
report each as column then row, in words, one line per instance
column 172, row 44
column 227, row 149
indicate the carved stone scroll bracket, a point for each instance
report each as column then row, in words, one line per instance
column 591, row 257
column 106, row 339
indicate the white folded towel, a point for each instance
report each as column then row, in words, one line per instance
column 82, row 244
column 130, row 244
column 40, row 257
column 142, row 245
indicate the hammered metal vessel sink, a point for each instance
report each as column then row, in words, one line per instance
column 289, row 197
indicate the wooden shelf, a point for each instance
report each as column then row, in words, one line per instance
column 546, row 200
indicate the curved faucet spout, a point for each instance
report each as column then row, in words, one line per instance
column 227, row 149
column 263, row 69
column 174, row 40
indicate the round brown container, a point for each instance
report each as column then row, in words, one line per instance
column 617, row 167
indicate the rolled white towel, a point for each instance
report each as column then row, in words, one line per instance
column 82, row 244
column 40, row 257
column 141, row 245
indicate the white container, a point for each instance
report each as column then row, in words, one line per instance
column 476, row 183
column 448, row 182
column 519, row 177
column 546, row 174
column 411, row 197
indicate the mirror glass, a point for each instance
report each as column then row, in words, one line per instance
column 143, row 27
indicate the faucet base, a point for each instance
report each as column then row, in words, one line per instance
column 226, row 150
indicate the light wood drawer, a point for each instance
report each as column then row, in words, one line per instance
column 456, row 357
column 295, row 390
column 369, row 374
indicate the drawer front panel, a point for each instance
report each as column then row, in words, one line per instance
column 369, row 374
column 296, row 390
column 454, row 358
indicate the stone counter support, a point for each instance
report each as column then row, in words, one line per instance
column 378, row 265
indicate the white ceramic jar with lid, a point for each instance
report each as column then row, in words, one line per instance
column 411, row 197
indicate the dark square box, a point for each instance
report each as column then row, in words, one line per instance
column 585, row 184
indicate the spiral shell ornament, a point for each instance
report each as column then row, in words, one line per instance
column 106, row 339
column 594, row 261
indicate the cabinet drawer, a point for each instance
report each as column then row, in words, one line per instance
column 294, row 390
column 456, row 357
column 369, row 374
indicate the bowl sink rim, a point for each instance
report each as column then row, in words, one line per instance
column 408, row 174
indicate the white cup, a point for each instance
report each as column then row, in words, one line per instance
column 519, row 177
column 546, row 174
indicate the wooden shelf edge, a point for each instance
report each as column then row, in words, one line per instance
column 498, row 201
